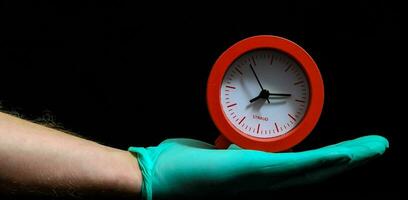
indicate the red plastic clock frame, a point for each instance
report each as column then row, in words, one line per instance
column 311, row 116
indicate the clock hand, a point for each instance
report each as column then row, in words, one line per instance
column 265, row 94
column 280, row 94
column 257, row 79
column 254, row 99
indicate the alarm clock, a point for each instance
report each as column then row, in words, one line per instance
column 264, row 93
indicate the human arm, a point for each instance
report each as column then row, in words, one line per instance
column 41, row 160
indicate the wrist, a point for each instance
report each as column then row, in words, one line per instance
column 123, row 175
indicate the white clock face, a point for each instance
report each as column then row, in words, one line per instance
column 265, row 93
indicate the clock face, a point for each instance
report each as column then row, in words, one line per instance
column 264, row 93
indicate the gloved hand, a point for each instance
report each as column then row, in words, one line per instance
column 180, row 168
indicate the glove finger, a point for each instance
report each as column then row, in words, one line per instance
column 234, row 147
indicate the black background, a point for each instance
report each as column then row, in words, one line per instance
column 133, row 75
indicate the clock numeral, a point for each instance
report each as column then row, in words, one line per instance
column 257, row 130
column 301, row 101
column 291, row 117
column 241, row 120
column 297, row 83
column 286, row 70
column 239, row 71
column 232, row 105
column 253, row 60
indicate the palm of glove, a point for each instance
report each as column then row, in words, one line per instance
column 188, row 168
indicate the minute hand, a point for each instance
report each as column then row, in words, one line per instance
column 257, row 79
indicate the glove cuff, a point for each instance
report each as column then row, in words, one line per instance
column 146, row 165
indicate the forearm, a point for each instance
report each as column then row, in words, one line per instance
column 40, row 159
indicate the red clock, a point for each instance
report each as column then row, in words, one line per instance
column 265, row 93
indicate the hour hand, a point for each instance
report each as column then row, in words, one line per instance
column 280, row 94
column 264, row 94
column 254, row 99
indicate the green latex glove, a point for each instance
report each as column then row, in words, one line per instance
column 181, row 168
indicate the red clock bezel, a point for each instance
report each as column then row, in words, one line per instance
column 305, row 126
